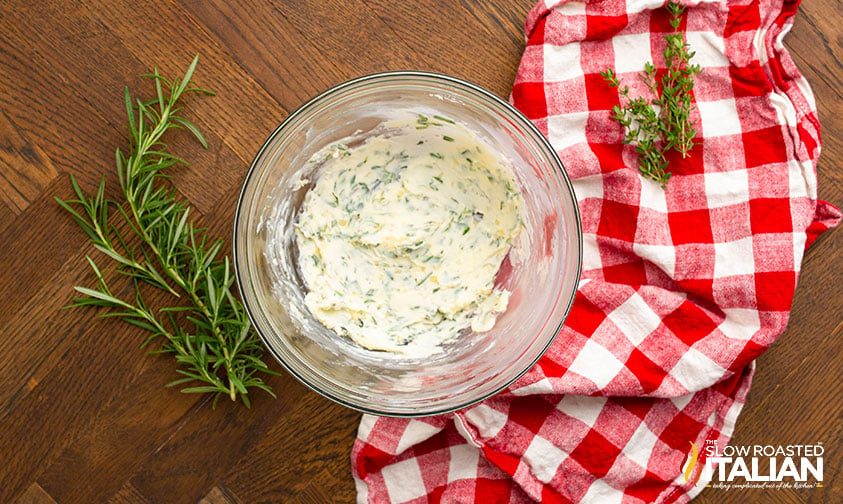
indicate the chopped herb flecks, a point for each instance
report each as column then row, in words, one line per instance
column 412, row 240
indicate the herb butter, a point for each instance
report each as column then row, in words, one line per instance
column 402, row 234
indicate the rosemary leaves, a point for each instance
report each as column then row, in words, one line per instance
column 658, row 125
column 208, row 330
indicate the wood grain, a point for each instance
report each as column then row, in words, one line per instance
column 84, row 413
column 24, row 169
column 35, row 495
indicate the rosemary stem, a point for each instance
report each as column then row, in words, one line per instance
column 218, row 353
column 172, row 273
column 180, row 281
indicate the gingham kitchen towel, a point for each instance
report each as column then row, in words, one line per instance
column 682, row 288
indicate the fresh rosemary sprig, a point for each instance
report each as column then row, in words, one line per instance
column 208, row 330
column 664, row 123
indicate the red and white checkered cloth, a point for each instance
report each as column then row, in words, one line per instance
column 681, row 289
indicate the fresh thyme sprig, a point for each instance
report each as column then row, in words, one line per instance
column 219, row 353
column 663, row 123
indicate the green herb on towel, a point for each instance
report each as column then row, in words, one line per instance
column 656, row 126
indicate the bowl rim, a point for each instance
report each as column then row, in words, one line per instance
column 430, row 76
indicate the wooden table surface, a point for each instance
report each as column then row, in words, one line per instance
column 84, row 415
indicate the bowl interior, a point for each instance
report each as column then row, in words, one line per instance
column 541, row 270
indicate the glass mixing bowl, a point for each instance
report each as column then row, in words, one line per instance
column 541, row 271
